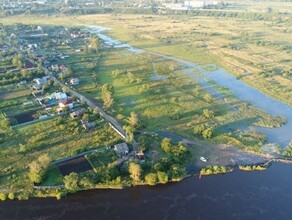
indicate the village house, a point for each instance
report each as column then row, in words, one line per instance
column 88, row 125
column 27, row 103
column 39, row 56
column 76, row 113
column 29, row 66
column 140, row 156
column 74, row 81
column 32, row 47
column 4, row 48
column 121, row 149
column 60, row 95
column 37, row 87
column 74, row 34
column 55, row 67
column 62, row 68
column 47, row 63
column 24, row 82
column 38, row 92
column 66, row 103
column 41, row 81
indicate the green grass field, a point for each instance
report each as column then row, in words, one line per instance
column 256, row 51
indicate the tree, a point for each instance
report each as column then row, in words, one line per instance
column 46, row 86
column 129, row 133
column 86, row 182
column 3, row 196
column 166, row 145
column 94, row 43
column 208, row 114
column 38, row 168
column 108, row 101
column 208, row 98
column 163, row 68
column 207, row 133
column 69, row 71
column 135, row 171
column 162, row 177
column 85, row 117
column 64, row 89
column 71, row 181
column 198, row 129
column 11, row 196
column 134, row 120
column 19, row 64
column 107, row 91
column 151, row 179
column 143, row 143
column 288, row 150
column 177, row 172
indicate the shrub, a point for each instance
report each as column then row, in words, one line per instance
column 162, row 177
column 11, row 196
column 3, row 196
column 207, row 133
column 151, row 179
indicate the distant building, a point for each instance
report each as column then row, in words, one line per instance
column 29, row 66
column 4, row 48
column 66, row 103
column 37, row 87
column 121, row 149
column 74, row 34
column 55, row 67
column 88, row 125
column 60, row 96
column 62, row 68
column 200, row 3
column 41, row 81
column 77, row 113
column 74, row 81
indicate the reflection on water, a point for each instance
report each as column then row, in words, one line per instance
column 281, row 136
column 237, row 195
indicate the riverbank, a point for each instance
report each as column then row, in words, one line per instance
column 241, row 195
column 230, row 159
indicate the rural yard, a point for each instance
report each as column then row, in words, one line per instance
column 110, row 100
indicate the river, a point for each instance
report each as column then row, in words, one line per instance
column 236, row 195
column 281, row 136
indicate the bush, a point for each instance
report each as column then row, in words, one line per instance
column 151, row 179
column 22, row 196
column 11, row 196
column 198, row 129
column 3, row 196
column 207, row 133
column 162, row 177
column 208, row 114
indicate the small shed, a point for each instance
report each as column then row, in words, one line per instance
column 121, row 149
column 74, row 81
column 77, row 113
column 88, row 125
column 64, row 103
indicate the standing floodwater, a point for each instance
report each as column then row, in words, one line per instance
column 281, row 136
